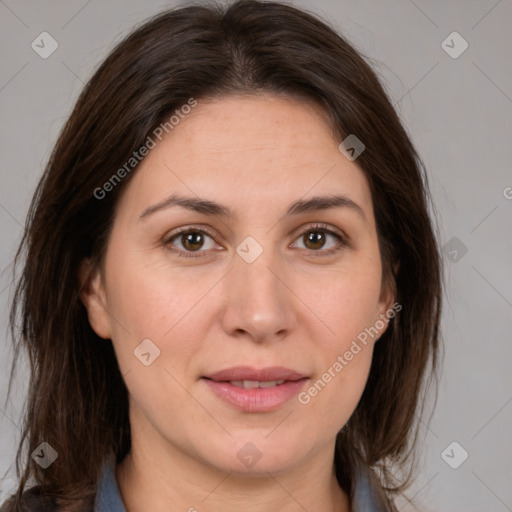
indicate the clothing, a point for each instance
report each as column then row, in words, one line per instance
column 108, row 497
column 364, row 496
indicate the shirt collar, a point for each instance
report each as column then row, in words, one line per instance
column 108, row 496
column 365, row 499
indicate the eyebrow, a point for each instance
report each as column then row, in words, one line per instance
column 206, row 207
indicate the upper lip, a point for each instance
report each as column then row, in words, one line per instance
column 271, row 373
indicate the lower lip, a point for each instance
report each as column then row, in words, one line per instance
column 256, row 399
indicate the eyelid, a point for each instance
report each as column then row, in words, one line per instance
column 192, row 228
column 320, row 226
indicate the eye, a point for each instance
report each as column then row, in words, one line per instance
column 189, row 240
column 316, row 238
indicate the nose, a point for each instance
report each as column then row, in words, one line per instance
column 259, row 303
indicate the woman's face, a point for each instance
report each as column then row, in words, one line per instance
column 253, row 315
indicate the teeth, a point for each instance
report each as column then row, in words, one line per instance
column 270, row 383
column 251, row 384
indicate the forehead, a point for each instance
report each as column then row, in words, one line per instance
column 247, row 151
column 237, row 126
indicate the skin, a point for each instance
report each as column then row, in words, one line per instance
column 294, row 306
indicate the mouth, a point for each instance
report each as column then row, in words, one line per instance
column 253, row 390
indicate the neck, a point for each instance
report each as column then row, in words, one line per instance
column 152, row 478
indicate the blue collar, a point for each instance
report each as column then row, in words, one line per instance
column 108, row 496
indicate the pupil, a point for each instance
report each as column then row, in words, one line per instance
column 316, row 238
column 193, row 241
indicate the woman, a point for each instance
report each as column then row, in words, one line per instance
column 231, row 289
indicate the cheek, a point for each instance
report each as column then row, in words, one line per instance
column 152, row 297
column 347, row 302
column 169, row 307
column 334, row 392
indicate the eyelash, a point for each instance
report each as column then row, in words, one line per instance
column 317, row 227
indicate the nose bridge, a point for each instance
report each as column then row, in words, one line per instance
column 258, row 302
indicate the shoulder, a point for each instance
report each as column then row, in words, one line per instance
column 103, row 497
column 33, row 501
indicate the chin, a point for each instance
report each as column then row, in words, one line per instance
column 257, row 453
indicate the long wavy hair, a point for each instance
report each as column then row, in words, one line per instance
column 77, row 400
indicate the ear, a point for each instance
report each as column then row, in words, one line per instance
column 387, row 308
column 93, row 297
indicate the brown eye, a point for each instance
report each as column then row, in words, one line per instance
column 314, row 240
column 192, row 241
column 322, row 239
column 189, row 241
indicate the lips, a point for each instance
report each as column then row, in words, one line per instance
column 246, row 373
column 253, row 390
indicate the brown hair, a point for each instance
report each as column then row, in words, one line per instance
column 77, row 400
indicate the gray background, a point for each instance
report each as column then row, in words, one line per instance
column 458, row 112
